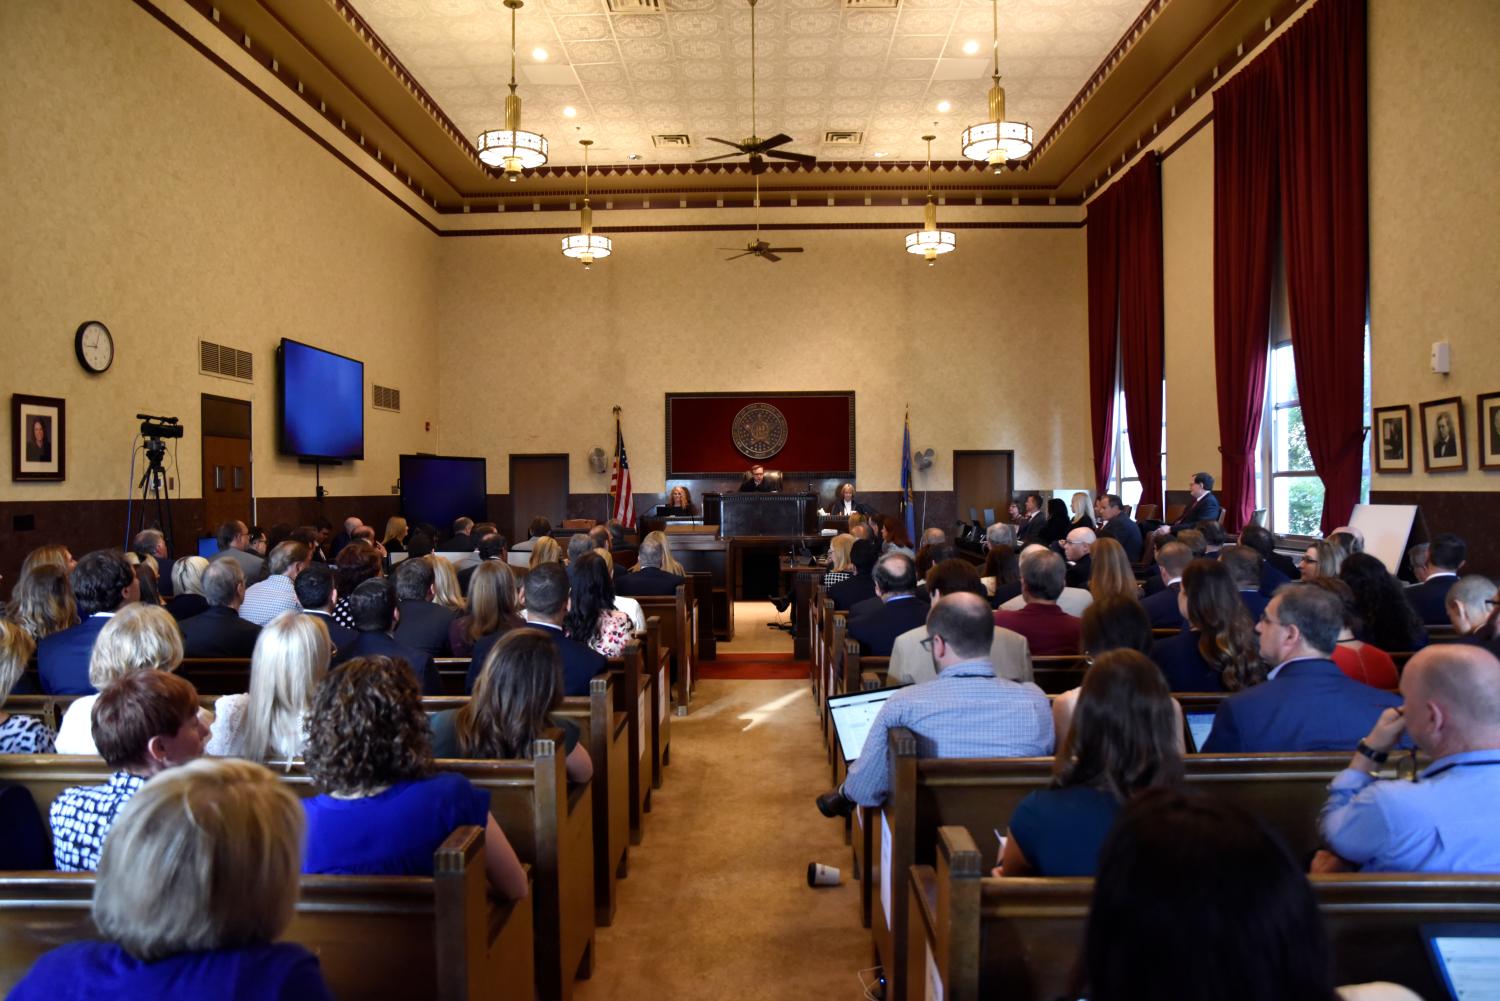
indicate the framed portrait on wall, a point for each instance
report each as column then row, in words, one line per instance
column 1392, row 439
column 38, row 438
column 1489, row 430
column 1443, row 436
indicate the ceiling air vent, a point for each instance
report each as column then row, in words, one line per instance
column 871, row 4
column 674, row 141
column 843, row 138
column 228, row 363
column 386, row 398
column 634, row 6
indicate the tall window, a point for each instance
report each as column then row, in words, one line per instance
column 1126, row 480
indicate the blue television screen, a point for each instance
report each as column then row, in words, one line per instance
column 322, row 403
column 439, row 488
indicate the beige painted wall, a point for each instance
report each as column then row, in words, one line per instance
column 989, row 347
column 146, row 188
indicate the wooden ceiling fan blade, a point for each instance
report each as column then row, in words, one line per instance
column 784, row 250
column 768, row 255
column 797, row 157
column 779, row 139
column 726, row 142
column 721, row 156
column 736, row 257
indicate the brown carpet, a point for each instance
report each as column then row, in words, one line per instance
column 753, row 667
column 717, row 904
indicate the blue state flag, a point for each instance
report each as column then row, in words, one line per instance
column 907, row 510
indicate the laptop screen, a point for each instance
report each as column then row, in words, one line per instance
column 852, row 716
column 1200, row 724
column 1467, row 957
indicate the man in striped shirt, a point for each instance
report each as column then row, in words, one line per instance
column 278, row 592
column 965, row 712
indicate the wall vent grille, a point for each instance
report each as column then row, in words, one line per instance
column 871, row 4
column 386, row 398
column 634, row 6
column 226, row 362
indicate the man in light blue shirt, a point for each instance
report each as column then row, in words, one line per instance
column 965, row 712
column 1447, row 820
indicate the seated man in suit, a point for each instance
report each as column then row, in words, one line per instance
column 1203, row 506
column 647, row 577
column 102, row 582
column 1076, row 550
column 1116, row 525
column 1161, row 608
column 376, row 616
column 520, row 553
column 1446, row 555
column 151, row 542
column 218, row 630
column 1048, row 629
column 460, row 541
column 345, row 536
column 267, row 599
column 1244, row 566
column 1306, row 703
column 911, row 664
column 545, row 591
column 316, row 594
column 1034, row 519
column 423, row 623
column 863, row 555
column 757, row 483
column 491, row 547
column 1446, row 820
column 1073, row 600
column 234, row 544
column 895, row 609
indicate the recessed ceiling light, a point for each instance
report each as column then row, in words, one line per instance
column 570, row 112
column 539, row 54
column 945, row 106
column 632, row 156
column 971, row 47
column 878, row 154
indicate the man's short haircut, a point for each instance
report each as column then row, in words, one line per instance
column 965, row 621
column 491, row 546
column 1034, row 496
column 931, row 555
column 539, row 527
column 1114, row 500
column 314, row 587
column 1243, row 564
column 222, row 840
column 413, row 580
column 1466, row 679
column 133, row 709
column 221, row 582
column 1001, row 534
column 1472, row 592
column 934, row 537
column 285, row 556
column 1173, row 557
column 650, row 553
column 864, row 554
column 351, row 523
column 954, row 576
column 1258, row 538
column 146, row 541
column 579, row 544
column 462, row 525
column 99, row 581
column 1204, row 480
column 228, row 532
column 1194, row 540
column 1416, row 556
column 599, row 536
column 1212, row 533
column 546, row 589
column 1317, row 614
column 484, row 528
column 896, row 573
column 1446, row 552
column 616, row 533
column 372, row 606
column 1044, row 573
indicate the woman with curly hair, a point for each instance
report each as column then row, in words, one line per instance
column 493, row 607
column 42, row 602
column 519, row 686
column 1220, row 652
column 357, row 563
column 1386, row 618
column 1110, row 573
column 593, row 619
column 383, row 810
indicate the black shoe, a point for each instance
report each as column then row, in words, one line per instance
column 781, row 603
column 835, row 804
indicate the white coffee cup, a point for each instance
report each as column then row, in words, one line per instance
column 822, row 875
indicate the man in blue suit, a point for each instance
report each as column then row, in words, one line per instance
column 102, row 582
column 1445, row 557
column 896, row 609
column 546, row 592
column 1306, row 703
column 1161, row 608
column 1120, row 528
column 1204, row 506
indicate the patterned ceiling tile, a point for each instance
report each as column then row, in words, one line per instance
column 686, row 69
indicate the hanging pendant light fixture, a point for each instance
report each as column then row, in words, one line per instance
column 996, row 141
column 929, row 241
column 586, row 245
column 512, row 148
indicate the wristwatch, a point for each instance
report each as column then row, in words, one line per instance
column 1379, row 757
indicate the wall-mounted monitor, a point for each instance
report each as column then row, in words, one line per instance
column 437, row 489
column 321, row 402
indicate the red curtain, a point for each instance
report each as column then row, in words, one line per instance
column 1104, row 316
column 1244, row 208
column 1138, row 231
column 1325, row 225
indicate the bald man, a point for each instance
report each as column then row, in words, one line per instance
column 1446, row 821
column 1077, row 550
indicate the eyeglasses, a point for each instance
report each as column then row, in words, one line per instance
column 927, row 643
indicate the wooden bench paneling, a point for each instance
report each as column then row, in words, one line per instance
column 677, row 638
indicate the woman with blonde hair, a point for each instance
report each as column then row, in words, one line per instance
column 840, row 568
column 42, row 602
column 265, row 724
column 1322, row 559
column 1110, row 571
column 136, row 638
column 222, row 840
column 19, row 734
column 445, row 589
column 395, row 534
column 494, row 607
column 54, row 555
column 668, row 562
column 1083, row 510
column 544, row 550
column 187, row 588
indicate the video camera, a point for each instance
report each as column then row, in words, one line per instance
column 159, row 427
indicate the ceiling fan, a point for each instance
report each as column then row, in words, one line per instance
column 759, row 247
column 753, row 146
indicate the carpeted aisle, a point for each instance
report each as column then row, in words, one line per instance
column 717, row 904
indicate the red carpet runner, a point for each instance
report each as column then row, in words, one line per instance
column 753, row 667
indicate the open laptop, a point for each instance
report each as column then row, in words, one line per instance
column 1466, row 957
column 852, row 715
column 1200, row 725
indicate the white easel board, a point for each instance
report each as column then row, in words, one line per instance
column 1387, row 528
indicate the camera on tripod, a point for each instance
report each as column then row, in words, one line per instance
column 159, row 427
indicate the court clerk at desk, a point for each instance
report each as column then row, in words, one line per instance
column 757, row 483
column 845, row 504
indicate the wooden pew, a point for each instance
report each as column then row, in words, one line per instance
column 376, row 937
column 1053, row 674
column 635, row 696
column 606, row 733
column 979, row 794
column 550, row 826
column 975, row 936
column 676, row 638
column 658, row 663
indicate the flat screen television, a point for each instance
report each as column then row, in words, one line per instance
column 440, row 488
column 321, row 405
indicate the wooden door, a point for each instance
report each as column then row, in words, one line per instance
column 982, row 479
column 227, row 491
column 538, row 487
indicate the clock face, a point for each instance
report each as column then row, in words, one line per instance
column 95, row 346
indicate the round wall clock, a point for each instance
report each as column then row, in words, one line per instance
column 95, row 347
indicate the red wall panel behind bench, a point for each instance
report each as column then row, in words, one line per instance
column 819, row 440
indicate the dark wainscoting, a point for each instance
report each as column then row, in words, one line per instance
column 1470, row 514
column 82, row 526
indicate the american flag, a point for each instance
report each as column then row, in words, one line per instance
column 621, row 498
